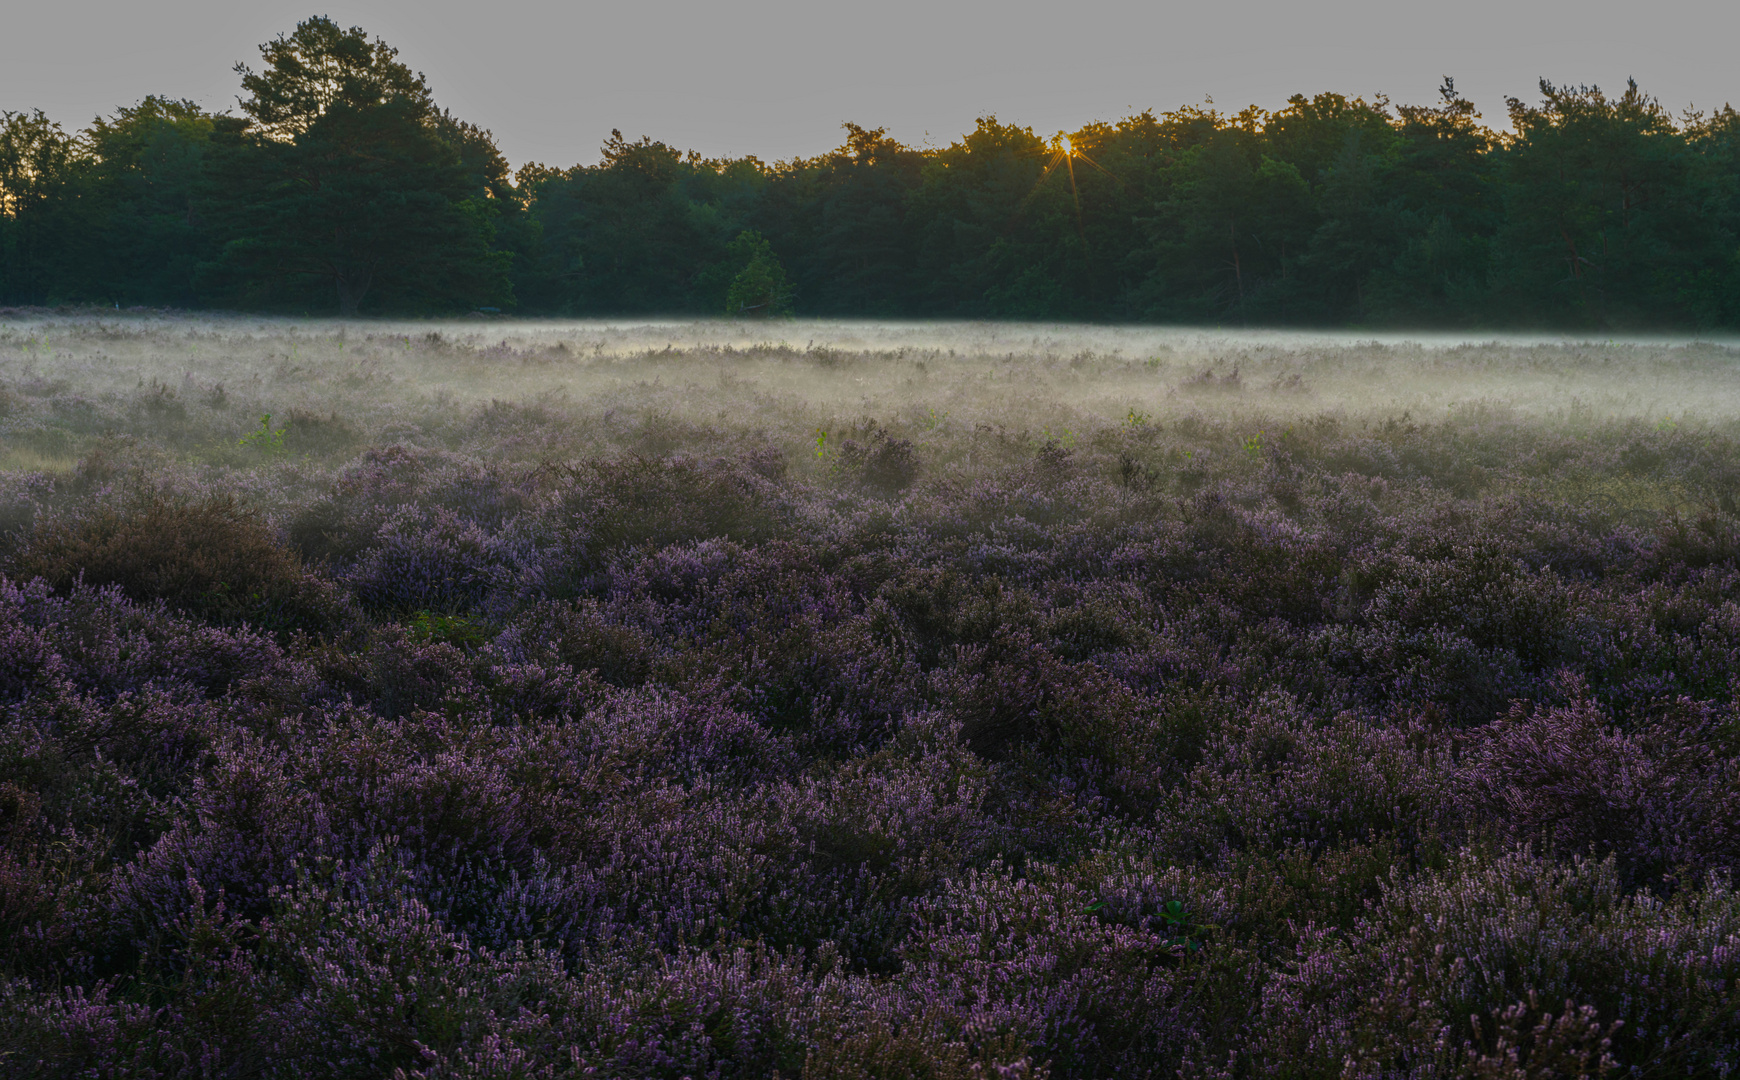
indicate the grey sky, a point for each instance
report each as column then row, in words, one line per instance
column 776, row 78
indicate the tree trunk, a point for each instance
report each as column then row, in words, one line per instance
column 351, row 290
column 1232, row 230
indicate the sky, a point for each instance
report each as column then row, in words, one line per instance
column 777, row 78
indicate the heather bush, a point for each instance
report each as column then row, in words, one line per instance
column 883, row 464
column 635, row 501
column 1449, row 966
column 560, row 704
column 1661, row 800
column 423, row 559
column 210, row 558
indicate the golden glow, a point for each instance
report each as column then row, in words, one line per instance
column 1064, row 152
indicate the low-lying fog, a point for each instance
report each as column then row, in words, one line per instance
column 197, row 386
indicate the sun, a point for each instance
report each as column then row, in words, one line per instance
column 1064, row 152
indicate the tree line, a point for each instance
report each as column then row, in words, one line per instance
column 339, row 185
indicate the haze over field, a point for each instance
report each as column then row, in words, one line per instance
column 417, row 381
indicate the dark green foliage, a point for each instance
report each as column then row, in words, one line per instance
column 842, row 218
column 320, row 68
column 1331, row 210
column 646, row 230
column 143, row 228
column 341, row 181
column 1608, row 217
column 343, row 186
column 36, row 159
column 759, row 289
column 350, row 181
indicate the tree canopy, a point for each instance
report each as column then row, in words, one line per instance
column 339, row 183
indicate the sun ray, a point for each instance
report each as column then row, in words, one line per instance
column 1098, row 166
column 1075, row 196
column 1050, row 166
column 1063, row 152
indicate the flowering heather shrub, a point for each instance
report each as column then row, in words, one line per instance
column 1662, row 800
column 1447, row 967
column 1073, row 714
column 423, row 559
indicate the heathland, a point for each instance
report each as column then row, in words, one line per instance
column 831, row 699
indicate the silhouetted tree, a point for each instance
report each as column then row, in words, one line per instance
column 341, row 179
column 1605, row 212
column 36, row 164
column 347, row 179
column 1445, row 186
column 143, row 186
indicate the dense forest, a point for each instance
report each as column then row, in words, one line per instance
column 340, row 185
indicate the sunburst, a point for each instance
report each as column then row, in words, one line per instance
column 1064, row 152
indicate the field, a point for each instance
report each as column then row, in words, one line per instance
column 500, row 699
